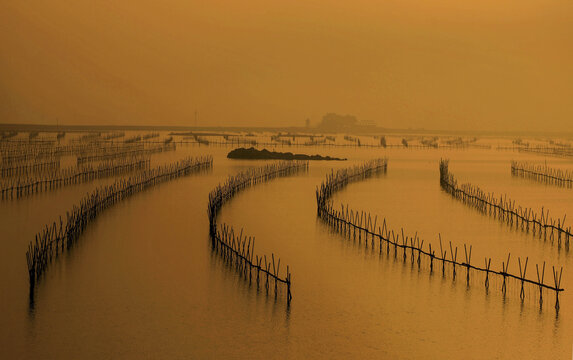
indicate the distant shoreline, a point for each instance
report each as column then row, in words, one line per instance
column 288, row 129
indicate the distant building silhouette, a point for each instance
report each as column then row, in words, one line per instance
column 340, row 123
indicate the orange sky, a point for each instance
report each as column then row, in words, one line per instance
column 440, row 64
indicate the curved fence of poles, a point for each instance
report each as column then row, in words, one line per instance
column 361, row 226
column 59, row 236
column 505, row 209
column 234, row 246
column 337, row 180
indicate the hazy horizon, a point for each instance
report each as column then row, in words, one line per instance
column 446, row 65
column 370, row 148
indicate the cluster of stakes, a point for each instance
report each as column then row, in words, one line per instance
column 361, row 226
column 26, row 168
column 29, row 166
column 97, row 150
column 239, row 249
column 56, row 238
column 33, row 165
column 13, row 151
column 137, row 151
column 505, row 209
column 557, row 151
column 542, row 173
column 339, row 179
column 13, row 154
column 303, row 140
column 14, row 188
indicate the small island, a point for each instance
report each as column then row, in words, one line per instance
column 254, row 154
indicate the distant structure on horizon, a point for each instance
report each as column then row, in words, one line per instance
column 341, row 123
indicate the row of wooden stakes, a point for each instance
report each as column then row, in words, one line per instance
column 124, row 153
column 28, row 169
column 18, row 157
column 22, row 153
column 339, row 179
column 239, row 250
column 224, row 238
column 505, row 209
column 557, row 151
column 56, row 238
column 356, row 224
column 288, row 142
column 18, row 188
column 235, row 183
column 542, row 173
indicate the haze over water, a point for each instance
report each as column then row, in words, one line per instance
column 143, row 280
column 480, row 83
column 472, row 65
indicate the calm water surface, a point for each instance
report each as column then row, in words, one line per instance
column 143, row 282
